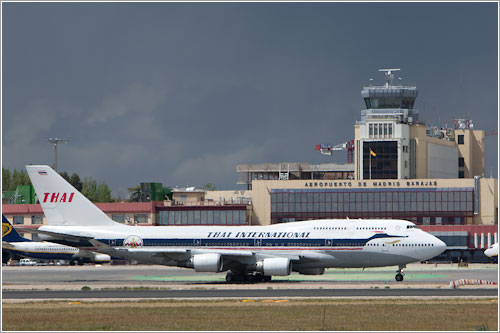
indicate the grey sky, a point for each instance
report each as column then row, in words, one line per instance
column 180, row 93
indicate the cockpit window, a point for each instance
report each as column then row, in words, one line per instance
column 411, row 226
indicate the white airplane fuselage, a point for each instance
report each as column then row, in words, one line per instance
column 321, row 243
column 52, row 251
column 41, row 250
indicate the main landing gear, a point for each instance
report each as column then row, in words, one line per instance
column 248, row 277
column 400, row 274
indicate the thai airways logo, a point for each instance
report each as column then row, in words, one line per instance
column 6, row 229
column 132, row 241
column 58, row 197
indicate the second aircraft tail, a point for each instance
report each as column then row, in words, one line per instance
column 9, row 234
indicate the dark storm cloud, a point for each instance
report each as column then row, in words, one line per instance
column 182, row 92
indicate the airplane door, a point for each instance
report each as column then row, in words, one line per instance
column 328, row 242
column 257, row 242
column 197, row 242
column 112, row 242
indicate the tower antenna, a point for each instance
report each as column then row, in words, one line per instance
column 388, row 75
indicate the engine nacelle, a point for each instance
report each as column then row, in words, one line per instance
column 210, row 262
column 274, row 266
column 99, row 257
column 312, row 271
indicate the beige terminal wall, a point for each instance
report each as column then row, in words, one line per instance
column 488, row 202
column 261, row 193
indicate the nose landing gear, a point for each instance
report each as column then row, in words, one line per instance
column 400, row 274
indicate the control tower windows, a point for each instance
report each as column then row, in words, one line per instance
column 368, row 104
column 389, row 103
column 380, row 130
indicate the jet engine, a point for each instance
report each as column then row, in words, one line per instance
column 274, row 266
column 209, row 262
column 101, row 257
column 312, row 271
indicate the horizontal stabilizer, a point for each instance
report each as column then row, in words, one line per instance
column 74, row 236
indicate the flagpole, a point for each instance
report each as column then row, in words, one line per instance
column 370, row 164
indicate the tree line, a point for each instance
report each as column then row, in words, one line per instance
column 89, row 187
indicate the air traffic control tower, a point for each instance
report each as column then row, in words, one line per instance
column 392, row 143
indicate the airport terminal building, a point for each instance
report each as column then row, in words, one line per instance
column 402, row 169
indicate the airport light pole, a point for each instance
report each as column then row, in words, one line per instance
column 55, row 142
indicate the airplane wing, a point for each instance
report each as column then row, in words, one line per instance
column 182, row 254
column 169, row 253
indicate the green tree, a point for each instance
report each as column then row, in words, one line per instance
column 20, row 178
column 76, row 182
column 209, row 187
column 6, row 180
column 89, row 189
column 96, row 192
column 65, row 175
column 103, row 193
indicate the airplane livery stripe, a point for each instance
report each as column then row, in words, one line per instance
column 254, row 242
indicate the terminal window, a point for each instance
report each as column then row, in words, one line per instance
column 437, row 206
column 460, row 139
column 203, row 217
column 461, row 162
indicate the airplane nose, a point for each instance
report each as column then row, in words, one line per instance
column 439, row 245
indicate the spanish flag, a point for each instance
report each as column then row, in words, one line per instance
column 372, row 153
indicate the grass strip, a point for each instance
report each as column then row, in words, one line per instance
column 254, row 315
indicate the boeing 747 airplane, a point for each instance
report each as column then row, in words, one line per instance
column 247, row 252
column 14, row 244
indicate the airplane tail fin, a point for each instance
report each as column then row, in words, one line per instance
column 9, row 234
column 61, row 202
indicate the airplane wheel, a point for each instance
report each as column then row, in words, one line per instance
column 399, row 277
column 259, row 277
column 72, row 263
column 251, row 278
column 267, row 278
column 230, row 277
